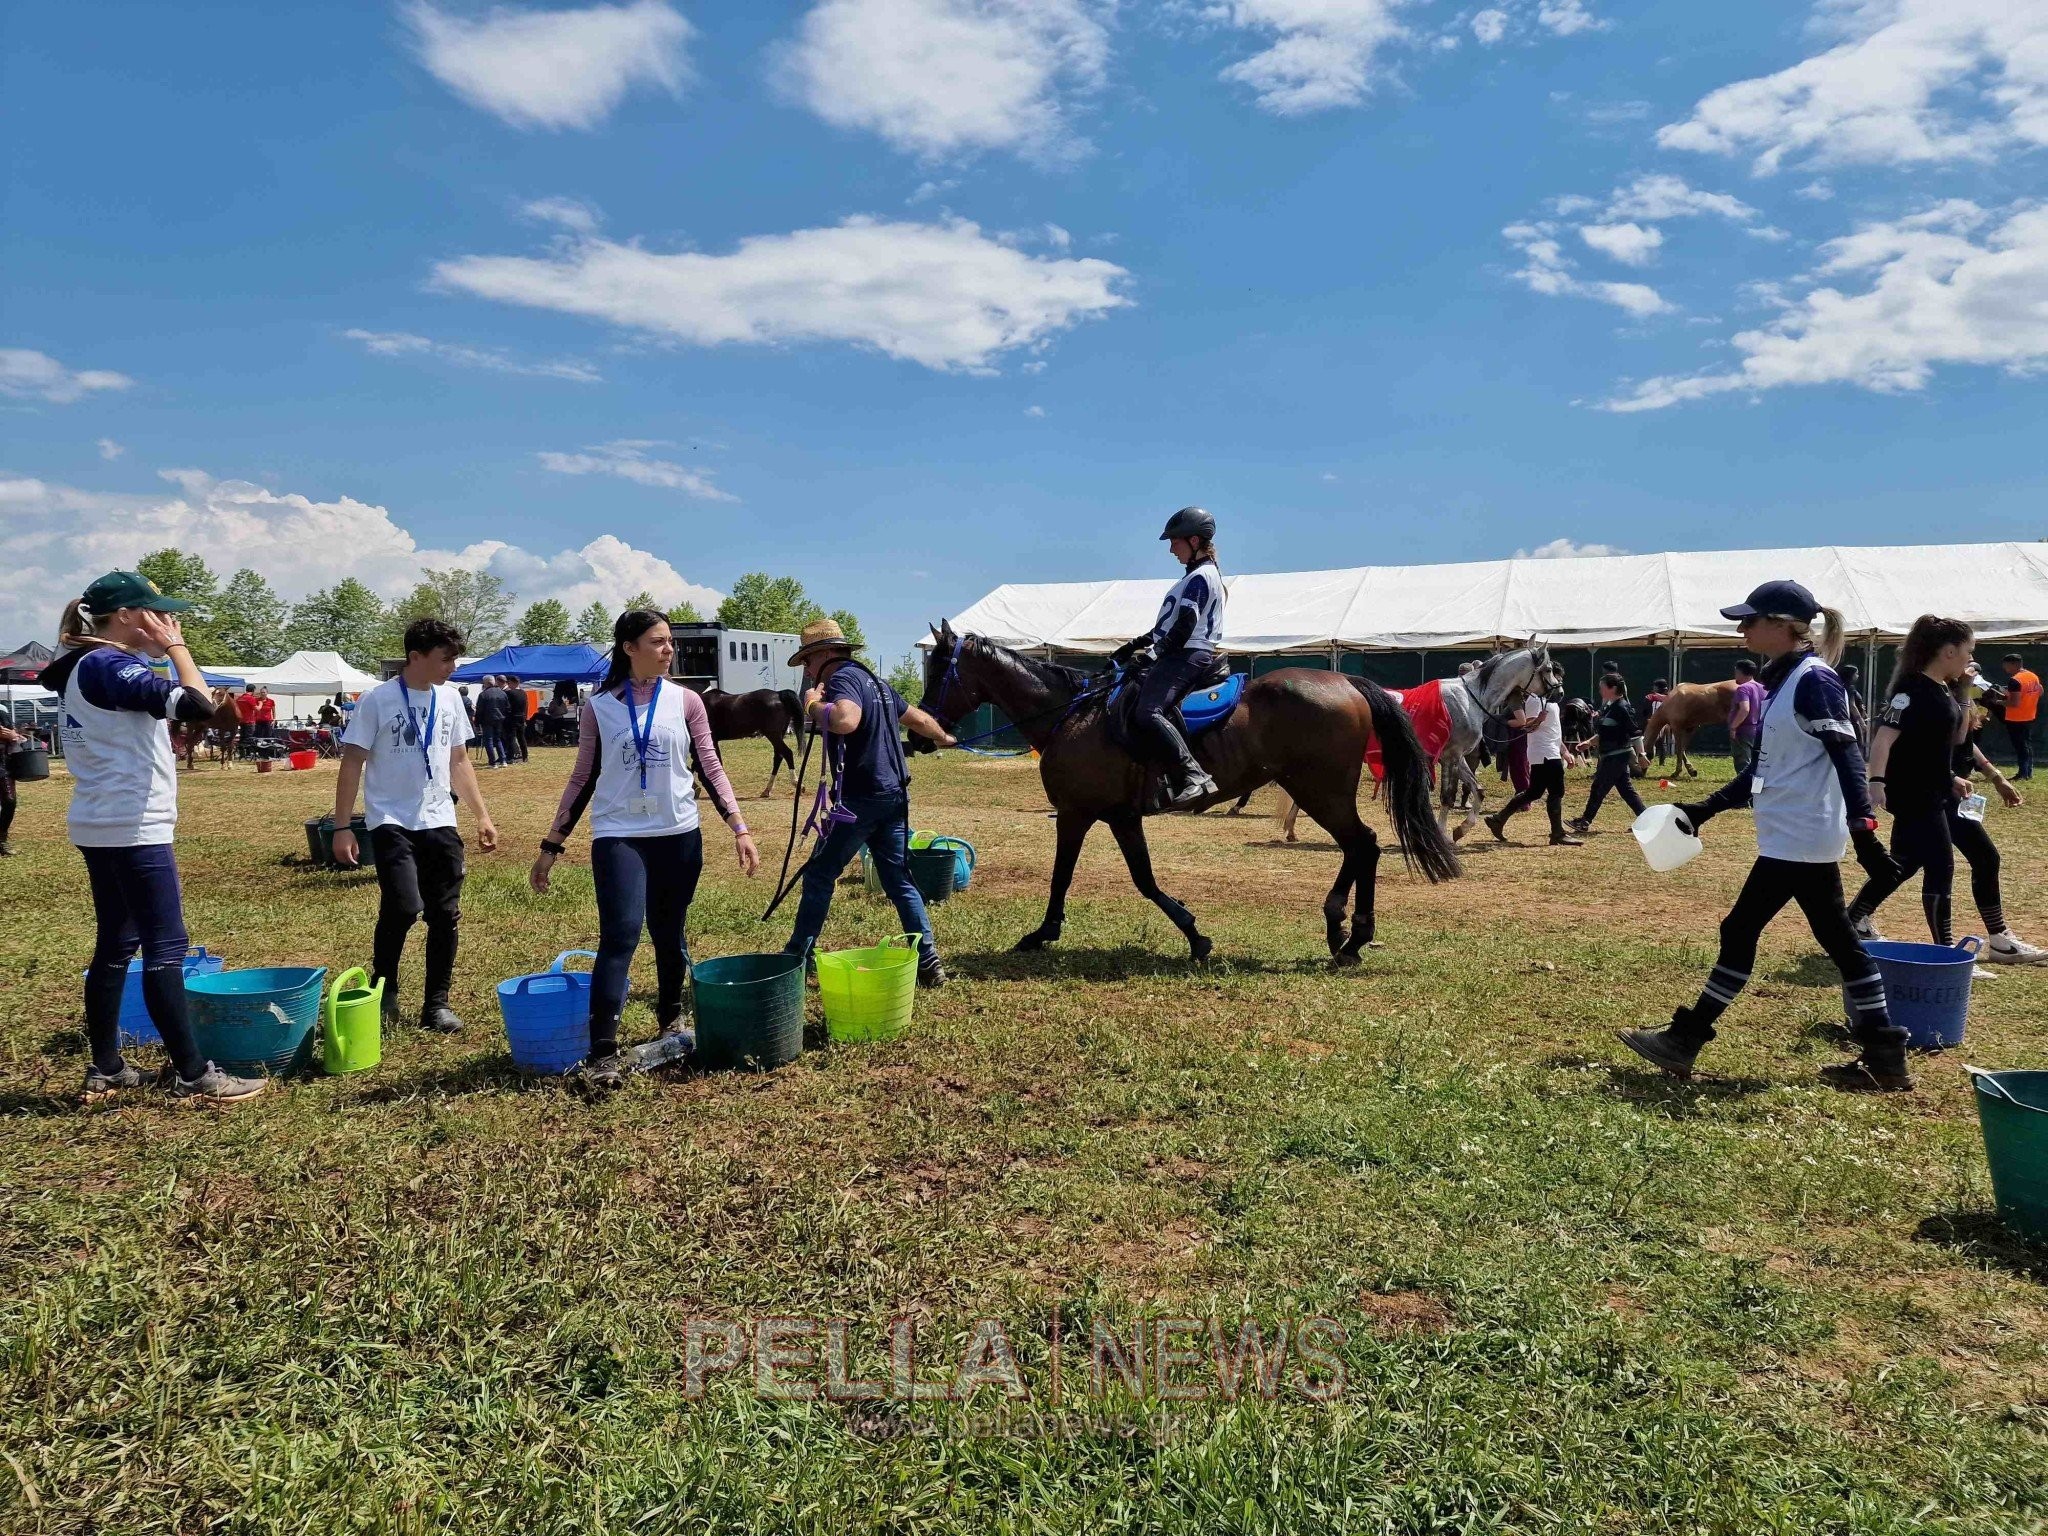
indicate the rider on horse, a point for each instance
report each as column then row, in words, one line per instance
column 1183, row 644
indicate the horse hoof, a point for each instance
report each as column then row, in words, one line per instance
column 1200, row 948
column 1029, row 943
column 1343, row 960
column 1458, row 832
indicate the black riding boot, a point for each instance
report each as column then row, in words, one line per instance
column 1185, row 779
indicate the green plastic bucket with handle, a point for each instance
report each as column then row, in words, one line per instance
column 352, row 1025
column 2012, row 1107
column 868, row 993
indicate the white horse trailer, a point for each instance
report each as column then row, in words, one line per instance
column 732, row 660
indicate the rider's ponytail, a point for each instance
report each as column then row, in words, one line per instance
column 76, row 626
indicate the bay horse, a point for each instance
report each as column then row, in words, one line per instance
column 765, row 712
column 1306, row 730
column 1686, row 709
column 188, row 738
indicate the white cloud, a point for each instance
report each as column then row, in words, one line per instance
column 1633, row 245
column 1911, row 82
column 1568, row 17
column 628, row 460
column 1817, row 191
column 110, row 450
column 1325, row 53
column 1034, row 410
column 565, row 211
column 940, row 294
column 55, row 538
column 31, row 375
column 1670, row 197
column 950, row 77
column 1547, row 270
column 553, row 69
column 1565, row 549
column 1935, row 294
column 405, row 344
column 1490, row 26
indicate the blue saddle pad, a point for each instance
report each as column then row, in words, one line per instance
column 1207, row 707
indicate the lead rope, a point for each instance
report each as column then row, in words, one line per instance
column 785, row 881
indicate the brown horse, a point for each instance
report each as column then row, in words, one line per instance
column 1686, row 709
column 222, row 726
column 766, row 712
column 1305, row 730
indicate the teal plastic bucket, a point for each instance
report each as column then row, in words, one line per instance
column 547, row 1016
column 2012, row 1108
column 750, row 1010
column 134, row 1023
column 1927, row 988
column 263, row 1020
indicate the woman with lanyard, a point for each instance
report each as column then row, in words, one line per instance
column 636, row 740
column 1921, row 761
column 124, row 810
column 1616, row 728
column 1806, row 787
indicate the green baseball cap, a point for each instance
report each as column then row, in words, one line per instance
column 128, row 589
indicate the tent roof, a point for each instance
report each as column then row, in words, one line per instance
column 306, row 672
column 2001, row 589
column 579, row 663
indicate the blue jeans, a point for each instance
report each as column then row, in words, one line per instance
column 137, row 904
column 882, row 826
column 641, row 882
column 492, row 736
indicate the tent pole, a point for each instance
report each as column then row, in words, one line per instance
column 1869, row 670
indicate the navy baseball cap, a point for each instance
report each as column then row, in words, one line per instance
column 1776, row 600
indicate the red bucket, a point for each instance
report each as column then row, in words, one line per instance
column 303, row 759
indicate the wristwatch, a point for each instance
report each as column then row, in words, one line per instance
column 551, row 847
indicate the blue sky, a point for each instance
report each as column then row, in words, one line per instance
column 913, row 297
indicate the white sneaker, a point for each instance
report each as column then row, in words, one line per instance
column 2013, row 951
column 1864, row 928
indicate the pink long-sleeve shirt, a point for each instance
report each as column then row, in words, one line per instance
column 576, row 793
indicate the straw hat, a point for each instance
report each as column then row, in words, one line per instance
column 817, row 636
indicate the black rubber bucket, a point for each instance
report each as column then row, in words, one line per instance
column 933, row 871
column 28, row 765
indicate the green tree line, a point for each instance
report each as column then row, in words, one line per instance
column 244, row 621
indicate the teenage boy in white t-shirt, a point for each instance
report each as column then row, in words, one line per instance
column 404, row 743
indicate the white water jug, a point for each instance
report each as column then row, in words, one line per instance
column 1667, row 843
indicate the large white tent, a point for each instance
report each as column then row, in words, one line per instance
column 1673, row 599
column 307, row 673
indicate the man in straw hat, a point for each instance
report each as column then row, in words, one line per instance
column 857, row 712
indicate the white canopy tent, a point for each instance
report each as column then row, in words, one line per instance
column 1674, row 599
column 308, row 673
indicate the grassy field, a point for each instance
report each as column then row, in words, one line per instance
column 1556, row 1292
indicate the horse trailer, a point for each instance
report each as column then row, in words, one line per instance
column 709, row 655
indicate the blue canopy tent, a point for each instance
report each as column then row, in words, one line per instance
column 577, row 663
column 212, row 678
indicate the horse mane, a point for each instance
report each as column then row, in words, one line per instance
column 1049, row 673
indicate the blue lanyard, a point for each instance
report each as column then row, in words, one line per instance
column 642, row 739
column 412, row 719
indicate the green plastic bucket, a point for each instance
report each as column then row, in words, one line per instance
column 2012, row 1107
column 868, row 993
column 352, row 1025
column 750, row 1010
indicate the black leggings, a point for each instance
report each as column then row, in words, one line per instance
column 7, row 803
column 642, row 882
column 1818, row 890
column 1930, row 843
column 1547, row 780
column 418, row 872
column 1612, row 774
column 137, row 905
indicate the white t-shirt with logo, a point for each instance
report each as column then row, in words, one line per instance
column 403, row 785
column 1546, row 742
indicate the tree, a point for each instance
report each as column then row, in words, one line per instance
column 907, row 677
column 641, row 599
column 346, row 617
column 780, row 603
column 545, row 623
column 594, row 625
column 178, row 574
column 685, row 613
column 475, row 602
column 249, row 620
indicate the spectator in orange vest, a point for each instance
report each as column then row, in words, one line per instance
column 2022, row 705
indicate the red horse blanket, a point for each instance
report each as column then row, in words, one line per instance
column 1432, row 722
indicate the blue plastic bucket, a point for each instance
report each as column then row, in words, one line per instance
column 263, row 1020
column 1927, row 988
column 135, row 1024
column 547, row 1017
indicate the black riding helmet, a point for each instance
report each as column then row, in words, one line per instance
column 1190, row 523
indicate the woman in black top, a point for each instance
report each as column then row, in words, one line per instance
column 1615, row 725
column 1912, row 770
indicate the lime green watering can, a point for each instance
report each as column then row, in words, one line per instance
column 351, row 1024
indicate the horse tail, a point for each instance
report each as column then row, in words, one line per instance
column 1424, row 843
column 795, row 707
